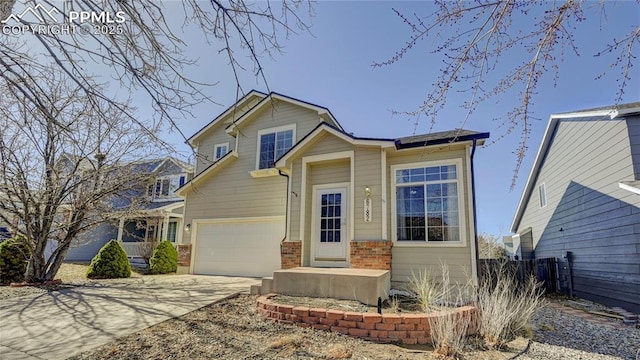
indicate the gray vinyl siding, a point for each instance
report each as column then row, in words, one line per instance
column 407, row 260
column 231, row 192
column 587, row 212
column 87, row 244
column 633, row 127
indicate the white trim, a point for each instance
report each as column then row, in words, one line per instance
column 274, row 130
column 628, row 187
column 190, row 184
column 264, row 173
column 470, row 216
column 312, row 239
column 383, row 200
column 233, row 108
column 549, row 133
column 322, row 112
column 462, row 213
column 307, row 160
column 542, row 193
column 288, row 229
column 325, row 128
column 196, row 222
column 215, row 150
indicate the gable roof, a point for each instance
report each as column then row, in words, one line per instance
column 209, row 170
column 601, row 113
column 323, row 112
column 437, row 138
column 238, row 104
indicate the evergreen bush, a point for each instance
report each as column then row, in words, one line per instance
column 110, row 263
column 164, row 259
column 14, row 256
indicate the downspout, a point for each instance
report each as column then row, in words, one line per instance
column 286, row 209
column 475, row 216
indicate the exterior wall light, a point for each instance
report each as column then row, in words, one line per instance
column 187, row 228
column 367, row 192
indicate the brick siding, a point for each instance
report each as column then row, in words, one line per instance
column 371, row 255
column 290, row 254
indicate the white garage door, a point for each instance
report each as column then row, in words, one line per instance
column 246, row 247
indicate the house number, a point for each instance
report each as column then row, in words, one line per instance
column 367, row 210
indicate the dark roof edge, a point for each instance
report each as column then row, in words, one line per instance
column 449, row 140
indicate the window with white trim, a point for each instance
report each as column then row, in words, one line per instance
column 272, row 144
column 220, row 150
column 428, row 204
column 165, row 186
column 542, row 191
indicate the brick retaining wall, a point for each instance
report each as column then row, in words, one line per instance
column 397, row 328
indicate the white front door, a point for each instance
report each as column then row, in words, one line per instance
column 330, row 230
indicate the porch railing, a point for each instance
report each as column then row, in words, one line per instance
column 138, row 249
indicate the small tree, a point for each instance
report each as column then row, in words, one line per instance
column 14, row 255
column 490, row 248
column 164, row 259
column 110, row 262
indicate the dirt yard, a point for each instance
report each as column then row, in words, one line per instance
column 232, row 329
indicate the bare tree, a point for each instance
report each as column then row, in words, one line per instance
column 56, row 108
column 141, row 46
column 489, row 247
column 480, row 39
column 65, row 165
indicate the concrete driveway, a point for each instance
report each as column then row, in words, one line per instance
column 61, row 324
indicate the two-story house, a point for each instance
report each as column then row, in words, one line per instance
column 140, row 221
column 279, row 183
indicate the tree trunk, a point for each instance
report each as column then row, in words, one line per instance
column 36, row 268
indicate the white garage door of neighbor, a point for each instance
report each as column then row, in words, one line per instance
column 240, row 248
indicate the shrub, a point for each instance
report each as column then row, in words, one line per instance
column 164, row 259
column 14, row 256
column 111, row 262
column 505, row 307
column 448, row 330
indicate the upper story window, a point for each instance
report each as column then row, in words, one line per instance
column 542, row 191
column 273, row 143
column 220, row 150
column 165, row 186
column 427, row 203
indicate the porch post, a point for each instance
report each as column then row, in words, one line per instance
column 165, row 227
column 120, row 229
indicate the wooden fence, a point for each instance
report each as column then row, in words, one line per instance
column 545, row 271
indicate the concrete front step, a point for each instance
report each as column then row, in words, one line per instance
column 362, row 285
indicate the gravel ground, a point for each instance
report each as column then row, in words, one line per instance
column 558, row 332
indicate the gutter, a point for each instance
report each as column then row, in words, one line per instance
column 473, row 190
column 286, row 209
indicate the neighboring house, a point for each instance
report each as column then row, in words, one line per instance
column 156, row 215
column 582, row 197
column 279, row 184
column 511, row 247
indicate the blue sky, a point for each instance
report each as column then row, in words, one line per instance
column 332, row 67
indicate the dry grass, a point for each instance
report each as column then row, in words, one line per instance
column 505, row 307
column 294, row 341
column 339, row 352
